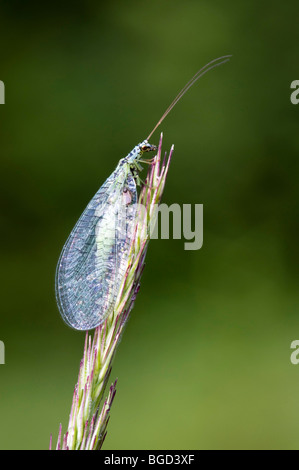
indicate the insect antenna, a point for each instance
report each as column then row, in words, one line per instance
column 209, row 66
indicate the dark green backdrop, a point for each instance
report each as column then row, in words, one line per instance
column 205, row 359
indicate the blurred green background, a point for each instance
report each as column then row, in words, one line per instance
column 205, row 359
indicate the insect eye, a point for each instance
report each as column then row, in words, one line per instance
column 148, row 148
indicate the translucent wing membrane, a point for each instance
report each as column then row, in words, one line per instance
column 93, row 261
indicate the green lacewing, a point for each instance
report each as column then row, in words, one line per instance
column 94, row 258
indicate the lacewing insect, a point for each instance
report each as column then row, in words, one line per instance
column 93, row 260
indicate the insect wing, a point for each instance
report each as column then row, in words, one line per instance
column 125, row 227
column 91, row 264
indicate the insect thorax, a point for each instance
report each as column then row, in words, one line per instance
column 131, row 163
